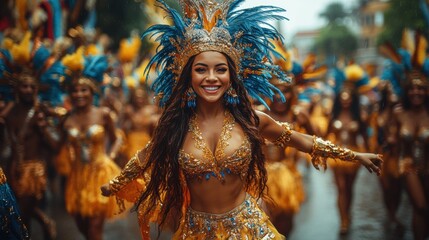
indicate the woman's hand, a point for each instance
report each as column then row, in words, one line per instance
column 105, row 190
column 371, row 161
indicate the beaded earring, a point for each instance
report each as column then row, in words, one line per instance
column 231, row 96
column 190, row 98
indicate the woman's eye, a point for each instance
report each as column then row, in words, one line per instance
column 222, row 70
column 199, row 70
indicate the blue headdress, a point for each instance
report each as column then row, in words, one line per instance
column 410, row 59
column 50, row 72
column 88, row 70
column 36, row 59
column 5, row 89
column 243, row 34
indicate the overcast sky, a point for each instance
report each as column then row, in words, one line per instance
column 302, row 14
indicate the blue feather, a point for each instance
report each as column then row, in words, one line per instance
column 256, row 35
column 53, row 77
column 95, row 66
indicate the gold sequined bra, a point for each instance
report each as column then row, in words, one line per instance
column 90, row 141
column 217, row 164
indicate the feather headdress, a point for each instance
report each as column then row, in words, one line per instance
column 83, row 69
column 32, row 57
column 409, row 62
column 214, row 25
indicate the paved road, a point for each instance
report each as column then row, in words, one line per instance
column 318, row 218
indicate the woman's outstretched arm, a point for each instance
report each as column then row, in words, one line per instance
column 283, row 135
column 132, row 170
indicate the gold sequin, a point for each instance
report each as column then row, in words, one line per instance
column 323, row 149
column 216, row 164
column 285, row 135
column 246, row 221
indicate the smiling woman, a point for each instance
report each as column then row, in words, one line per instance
column 85, row 130
column 210, row 76
column 204, row 169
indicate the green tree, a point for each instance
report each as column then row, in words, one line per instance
column 402, row 14
column 334, row 13
column 118, row 18
column 335, row 39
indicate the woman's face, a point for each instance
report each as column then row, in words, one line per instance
column 345, row 99
column 278, row 105
column 81, row 95
column 27, row 89
column 140, row 97
column 210, row 76
column 417, row 94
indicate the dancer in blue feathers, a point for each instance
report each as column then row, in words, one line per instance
column 204, row 170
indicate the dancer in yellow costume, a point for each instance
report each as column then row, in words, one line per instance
column 346, row 128
column 85, row 130
column 140, row 119
column 285, row 187
column 204, row 165
column 28, row 130
column 412, row 135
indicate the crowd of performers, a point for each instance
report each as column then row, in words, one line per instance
column 72, row 110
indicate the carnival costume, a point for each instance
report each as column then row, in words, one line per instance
column 285, row 186
column 284, row 181
column 352, row 78
column 35, row 57
column 30, row 60
column 410, row 62
column 413, row 155
column 245, row 37
column 83, row 156
column 11, row 226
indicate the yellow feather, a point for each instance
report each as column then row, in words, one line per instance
column 7, row 43
column 285, row 64
column 129, row 50
column 131, row 82
column 421, row 50
column 92, row 49
column 407, row 42
column 354, row 72
column 74, row 61
column 21, row 52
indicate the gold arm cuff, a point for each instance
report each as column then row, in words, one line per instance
column 132, row 170
column 323, row 149
column 285, row 136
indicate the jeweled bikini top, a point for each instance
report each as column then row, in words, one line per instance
column 217, row 164
column 89, row 142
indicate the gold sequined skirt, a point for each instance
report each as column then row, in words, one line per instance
column 285, row 188
column 83, row 194
column 29, row 179
column 246, row 221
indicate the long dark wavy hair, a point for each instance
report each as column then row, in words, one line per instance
column 165, row 184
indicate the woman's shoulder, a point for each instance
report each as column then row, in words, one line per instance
column 261, row 114
column 264, row 118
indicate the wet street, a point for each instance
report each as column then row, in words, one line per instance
column 317, row 219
